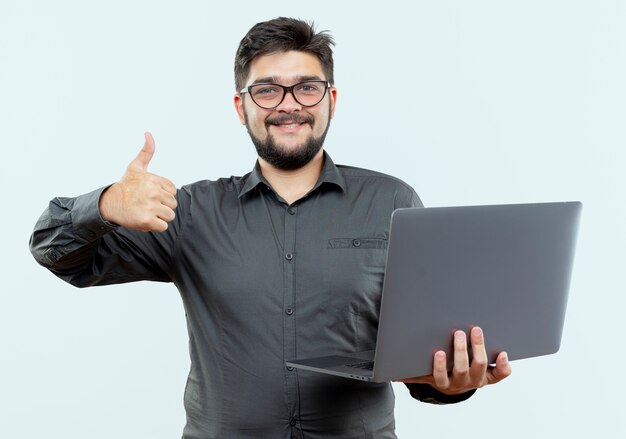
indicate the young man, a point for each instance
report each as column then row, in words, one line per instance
column 285, row 261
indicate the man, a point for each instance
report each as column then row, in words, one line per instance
column 285, row 261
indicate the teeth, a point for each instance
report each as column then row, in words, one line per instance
column 293, row 125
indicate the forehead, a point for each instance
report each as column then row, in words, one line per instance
column 285, row 67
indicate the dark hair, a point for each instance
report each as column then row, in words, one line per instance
column 280, row 35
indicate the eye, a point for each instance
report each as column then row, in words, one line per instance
column 309, row 88
column 265, row 91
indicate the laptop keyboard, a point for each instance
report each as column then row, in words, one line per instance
column 367, row 365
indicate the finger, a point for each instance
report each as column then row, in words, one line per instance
column 158, row 225
column 501, row 371
column 145, row 155
column 154, row 224
column 168, row 200
column 440, row 370
column 165, row 213
column 168, row 186
column 460, row 370
column 426, row 379
column 479, row 357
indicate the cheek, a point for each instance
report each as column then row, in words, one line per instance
column 254, row 120
column 256, row 126
column 321, row 122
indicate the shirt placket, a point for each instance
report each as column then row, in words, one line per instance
column 290, row 260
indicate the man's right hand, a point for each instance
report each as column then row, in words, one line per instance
column 140, row 200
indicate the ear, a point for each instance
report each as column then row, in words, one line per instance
column 238, row 101
column 332, row 92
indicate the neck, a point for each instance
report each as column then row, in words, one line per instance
column 293, row 184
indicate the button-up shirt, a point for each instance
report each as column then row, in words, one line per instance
column 262, row 282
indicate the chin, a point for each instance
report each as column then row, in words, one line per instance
column 291, row 148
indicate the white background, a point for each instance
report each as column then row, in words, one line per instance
column 470, row 102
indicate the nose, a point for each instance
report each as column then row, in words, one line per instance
column 289, row 103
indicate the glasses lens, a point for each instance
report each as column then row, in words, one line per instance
column 266, row 95
column 310, row 93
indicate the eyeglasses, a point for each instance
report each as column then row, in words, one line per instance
column 270, row 96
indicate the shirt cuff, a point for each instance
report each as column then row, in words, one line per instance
column 427, row 393
column 87, row 222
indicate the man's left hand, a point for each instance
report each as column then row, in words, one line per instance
column 465, row 376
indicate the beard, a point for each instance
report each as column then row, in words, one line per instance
column 280, row 157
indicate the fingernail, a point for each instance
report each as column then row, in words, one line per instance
column 477, row 331
column 459, row 335
column 506, row 358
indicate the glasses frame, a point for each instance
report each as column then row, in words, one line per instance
column 285, row 91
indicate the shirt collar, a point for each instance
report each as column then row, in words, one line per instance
column 330, row 175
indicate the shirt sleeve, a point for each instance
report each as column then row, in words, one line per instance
column 427, row 393
column 407, row 197
column 73, row 241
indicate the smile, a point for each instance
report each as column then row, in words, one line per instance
column 289, row 126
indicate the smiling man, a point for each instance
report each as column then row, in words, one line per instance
column 265, row 263
column 287, row 124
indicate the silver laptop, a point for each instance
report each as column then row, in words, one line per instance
column 505, row 268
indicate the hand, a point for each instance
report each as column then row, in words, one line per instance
column 465, row 377
column 140, row 200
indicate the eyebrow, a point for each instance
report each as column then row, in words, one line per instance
column 277, row 79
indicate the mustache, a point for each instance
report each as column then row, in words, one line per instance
column 287, row 118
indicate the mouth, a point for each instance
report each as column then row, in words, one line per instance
column 289, row 124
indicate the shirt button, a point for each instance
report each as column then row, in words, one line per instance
column 289, row 256
column 289, row 311
column 292, row 422
column 356, row 243
column 291, row 211
column 289, row 368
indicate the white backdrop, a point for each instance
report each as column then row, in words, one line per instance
column 470, row 102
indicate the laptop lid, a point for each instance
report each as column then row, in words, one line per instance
column 505, row 268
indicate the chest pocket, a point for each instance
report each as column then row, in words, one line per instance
column 358, row 243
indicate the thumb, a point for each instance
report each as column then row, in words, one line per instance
column 145, row 155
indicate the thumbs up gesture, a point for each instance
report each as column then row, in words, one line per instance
column 140, row 200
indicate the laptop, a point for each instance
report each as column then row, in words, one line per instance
column 505, row 268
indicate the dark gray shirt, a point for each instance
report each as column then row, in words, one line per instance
column 262, row 282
